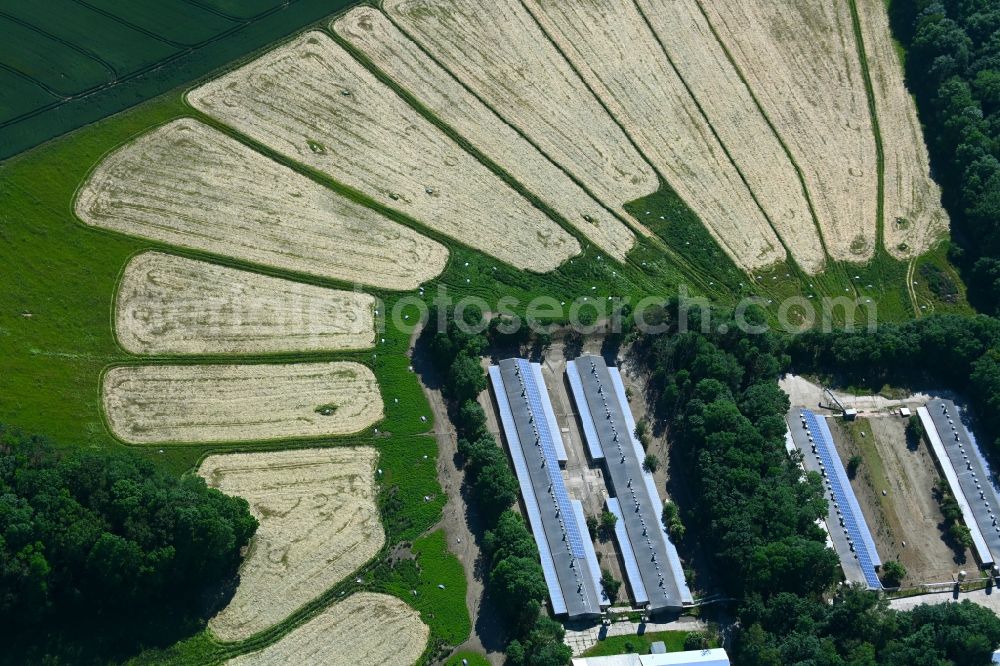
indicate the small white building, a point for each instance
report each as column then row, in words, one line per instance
column 709, row 657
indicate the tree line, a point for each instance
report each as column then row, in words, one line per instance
column 953, row 69
column 514, row 577
column 753, row 509
column 103, row 553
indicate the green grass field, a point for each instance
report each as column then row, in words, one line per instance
column 674, row 641
column 66, row 63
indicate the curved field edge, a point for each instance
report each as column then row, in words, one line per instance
column 55, row 326
column 319, row 522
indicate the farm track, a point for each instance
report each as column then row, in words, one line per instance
column 133, row 26
column 87, row 53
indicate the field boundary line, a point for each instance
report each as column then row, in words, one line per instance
column 770, row 123
column 129, row 24
column 465, row 144
column 35, row 82
column 223, row 260
column 708, row 123
column 859, row 43
column 87, row 53
column 212, row 73
column 354, row 195
column 663, row 180
column 633, row 224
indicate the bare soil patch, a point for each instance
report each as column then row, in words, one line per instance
column 369, row 31
column 318, row 523
column 908, row 512
column 194, row 187
column 366, row 629
column 173, row 305
column 232, row 403
column 312, row 101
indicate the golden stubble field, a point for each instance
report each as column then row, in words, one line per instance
column 729, row 107
column 365, row 629
column 371, row 33
column 914, row 217
column 174, row 305
column 239, row 403
column 500, row 53
column 311, row 100
column 192, row 186
column 801, row 61
column 613, row 49
column 318, row 523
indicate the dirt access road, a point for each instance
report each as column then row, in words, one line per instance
column 462, row 526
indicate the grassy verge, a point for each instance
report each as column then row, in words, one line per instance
column 467, row 659
column 674, row 641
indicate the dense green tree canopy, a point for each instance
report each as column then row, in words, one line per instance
column 107, row 540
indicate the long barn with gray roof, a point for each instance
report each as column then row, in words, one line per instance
column 652, row 564
column 968, row 475
column 567, row 555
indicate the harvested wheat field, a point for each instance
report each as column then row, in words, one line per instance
column 620, row 59
column 310, row 100
column 172, row 305
column 499, row 52
column 365, row 629
column 192, row 186
column 235, row 403
column 318, row 524
column 729, row 107
column 369, row 31
column 914, row 217
column 801, row 61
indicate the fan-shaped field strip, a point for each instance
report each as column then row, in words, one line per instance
column 239, row 403
column 744, row 131
column 620, row 59
column 365, row 629
column 498, row 51
column 387, row 48
column 312, row 101
column 318, row 523
column 800, row 59
column 194, row 187
column 913, row 215
column 172, row 305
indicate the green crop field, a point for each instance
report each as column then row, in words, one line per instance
column 66, row 63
